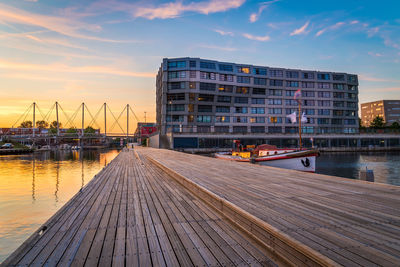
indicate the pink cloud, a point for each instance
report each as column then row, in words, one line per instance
column 301, row 30
column 256, row 38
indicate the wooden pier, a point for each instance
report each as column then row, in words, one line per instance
column 153, row 207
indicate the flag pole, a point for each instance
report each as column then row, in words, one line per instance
column 299, row 123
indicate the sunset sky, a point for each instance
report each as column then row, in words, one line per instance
column 110, row 51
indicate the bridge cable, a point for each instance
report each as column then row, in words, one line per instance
column 69, row 120
column 116, row 120
column 91, row 116
column 96, row 115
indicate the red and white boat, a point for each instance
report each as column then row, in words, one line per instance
column 301, row 160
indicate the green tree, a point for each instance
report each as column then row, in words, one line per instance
column 377, row 123
column 53, row 127
column 42, row 124
column 26, row 124
column 72, row 130
column 89, row 130
column 395, row 125
column 360, row 124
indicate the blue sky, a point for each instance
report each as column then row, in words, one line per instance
column 97, row 51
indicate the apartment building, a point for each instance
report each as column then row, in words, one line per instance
column 389, row 110
column 195, row 95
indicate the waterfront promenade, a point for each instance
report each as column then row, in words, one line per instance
column 161, row 207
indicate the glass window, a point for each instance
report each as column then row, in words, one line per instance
column 207, row 86
column 204, row 108
column 275, row 92
column 276, row 82
column 307, row 84
column 309, row 111
column 276, row 73
column 323, row 76
column 308, row 75
column 222, row 109
column 176, row 107
column 292, row 74
column 176, row 74
column 307, row 102
column 222, row 119
column 241, row 100
column 207, row 75
column 275, row 111
column 206, row 98
column 225, row 67
column 260, row 81
column 243, row 69
column 243, row 79
column 179, row 96
column 257, row 120
column 259, row 71
column 258, row 101
column 291, row 102
column 203, row 118
column 325, row 112
column 226, row 77
column 225, row 88
column 338, row 86
column 324, row 85
column 273, row 101
column 223, row 99
column 338, row 77
column 256, row 110
column 324, row 103
column 324, row 94
column 240, row 119
column 192, row 63
column 242, row 90
column 207, row 65
column 240, row 109
column 176, row 64
column 192, row 85
column 290, row 92
column 292, row 84
column 176, row 85
column 259, row 91
column 307, row 93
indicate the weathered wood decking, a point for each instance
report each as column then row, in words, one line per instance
column 350, row 222
column 133, row 214
column 160, row 207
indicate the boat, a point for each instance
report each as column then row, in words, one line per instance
column 301, row 160
column 294, row 159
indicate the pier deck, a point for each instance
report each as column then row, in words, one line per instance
column 350, row 222
column 133, row 214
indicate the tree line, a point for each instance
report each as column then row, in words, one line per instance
column 52, row 127
column 379, row 123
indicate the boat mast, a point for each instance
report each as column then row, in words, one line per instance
column 299, row 122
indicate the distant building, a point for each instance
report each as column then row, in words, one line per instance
column 389, row 110
column 145, row 129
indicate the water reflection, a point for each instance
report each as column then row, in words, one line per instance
column 33, row 187
column 386, row 165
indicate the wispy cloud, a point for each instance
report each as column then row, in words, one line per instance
column 375, row 54
column 255, row 16
column 256, row 38
column 332, row 27
column 223, row 32
column 58, row 67
column 370, row 78
column 301, row 30
column 62, row 25
column 222, row 48
column 175, row 9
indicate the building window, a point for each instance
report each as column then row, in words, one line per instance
column 207, row 65
column 260, row 71
column 243, row 79
column 190, row 118
column 204, row 108
column 308, row 102
column 192, row 64
column 176, row 74
column 338, row 86
column 309, row 111
column 203, row 118
column 323, row 76
column 338, row 113
column 190, row 108
column 324, row 94
column 307, row 84
column 225, row 88
column 205, row 98
column 222, row 119
column 292, row 84
column 260, row 81
column 290, row 92
column 192, row 85
column 276, row 82
column 325, row 112
column 349, row 121
column 223, row 109
column 175, row 118
column 224, row 67
column 307, row 93
column 180, row 96
column 192, row 74
column 258, row 101
column 176, row 64
column 276, row 73
column 351, row 96
column 324, row 103
column 257, row 110
column 221, row 129
column 275, row 92
column 241, row 100
column 275, row 129
column 273, row 101
column 240, row 119
column 240, row 129
column 352, row 87
column 224, row 99
column 350, row 113
column 257, row 120
column 243, row 70
column 351, row 105
column 275, row 120
column 291, row 110
column 338, row 77
column 308, row 75
column 258, row 91
column 338, row 95
column 291, row 102
column 176, row 107
column 226, row 77
column 192, row 96
column 274, row 111
column 242, row 90
column 351, row 78
column 324, row 85
column 240, row 109
column 207, row 86
column 292, row 74
column 257, row 129
column 338, row 104
column 323, row 120
column 175, row 86
column 207, row 75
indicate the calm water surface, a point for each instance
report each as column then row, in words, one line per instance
column 386, row 165
column 33, row 187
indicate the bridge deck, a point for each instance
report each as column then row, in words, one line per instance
column 350, row 222
column 133, row 214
